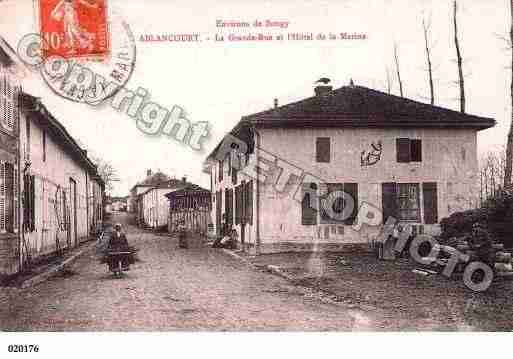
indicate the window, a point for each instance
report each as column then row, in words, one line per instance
column 309, row 204
column 9, row 97
column 8, row 197
column 401, row 201
column 409, row 150
column 235, row 165
column 27, row 150
column 239, row 208
column 221, row 168
column 248, row 197
column 44, row 146
column 408, row 201
column 229, row 206
column 322, row 149
column 336, row 195
column 29, row 196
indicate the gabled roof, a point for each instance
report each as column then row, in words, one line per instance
column 356, row 106
column 190, row 189
column 362, row 106
column 154, row 179
column 172, row 183
column 36, row 110
column 9, row 59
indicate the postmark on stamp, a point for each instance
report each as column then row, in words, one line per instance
column 74, row 28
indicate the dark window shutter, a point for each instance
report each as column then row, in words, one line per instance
column 416, row 150
column 249, row 202
column 429, row 192
column 309, row 214
column 237, row 205
column 322, row 149
column 229, row 206
column 403, row 149
column 389, row 199
column 352, row 190
column 221, row 165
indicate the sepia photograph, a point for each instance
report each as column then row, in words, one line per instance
column 174, row 170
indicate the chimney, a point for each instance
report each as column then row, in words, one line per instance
column 148, row 173
column 275, row 103
column 184, row 180
column 323, row 86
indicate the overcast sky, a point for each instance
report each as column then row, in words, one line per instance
column 220, row 82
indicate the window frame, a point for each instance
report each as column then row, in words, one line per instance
column 401, row 217
column 320, row 156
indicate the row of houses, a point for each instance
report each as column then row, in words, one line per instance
column 160, row 201
column 51, row 196
column 408, row 160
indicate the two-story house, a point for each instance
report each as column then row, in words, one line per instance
column 328, row 170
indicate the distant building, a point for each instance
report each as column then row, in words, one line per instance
column 151, row 180
column 154, row 204
column 320, row 160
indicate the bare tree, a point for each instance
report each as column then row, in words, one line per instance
column 396, row 59
column 509, row 143
column 427, row 28
column 492, row 167
column 459, row 60
column 106, row 171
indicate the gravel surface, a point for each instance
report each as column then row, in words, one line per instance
column 173, row 289
column 406, row 300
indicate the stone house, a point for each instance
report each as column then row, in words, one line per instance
column 311, row 174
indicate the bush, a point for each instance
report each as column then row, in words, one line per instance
column 496, row 213
column 460, row 223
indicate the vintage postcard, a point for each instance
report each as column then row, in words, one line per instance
column 285, row 166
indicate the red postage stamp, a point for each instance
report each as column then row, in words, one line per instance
column 74, row 28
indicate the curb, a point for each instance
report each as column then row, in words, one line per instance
column 54, row 270
column 238, row 257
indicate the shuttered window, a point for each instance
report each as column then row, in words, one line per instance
column 29, row 197
column 429, row 193
column 416, row 150
column 336, row 214
column 221, row 168
column 229, row 206
column 389, row 200
column 249, row 202
column 352, row 190
column 408, row 150
column 403, row 149
column 8, row 197
column 309, row 204
column 2, row 198
column 9, row 97
column 323, row 149
column 238, row 204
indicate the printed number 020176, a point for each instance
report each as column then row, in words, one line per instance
column 32, row 348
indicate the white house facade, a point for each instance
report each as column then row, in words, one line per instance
column 314, row 171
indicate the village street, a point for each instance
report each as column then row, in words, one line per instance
column 171, row 289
